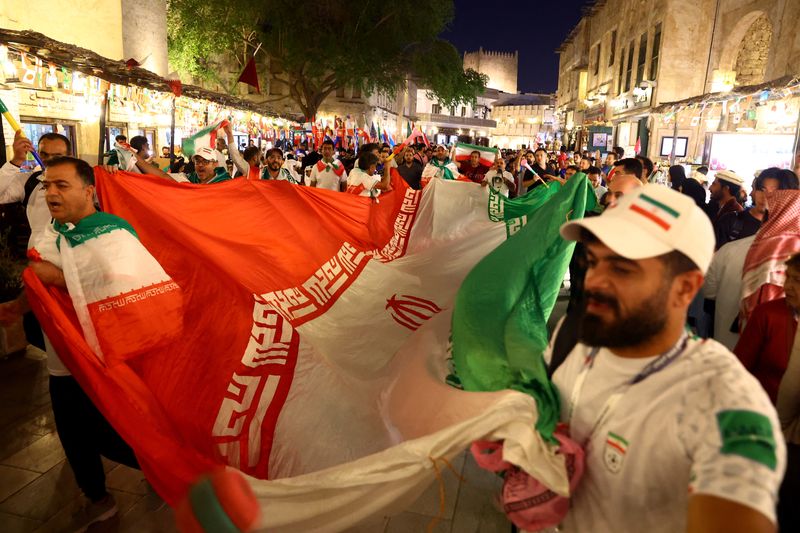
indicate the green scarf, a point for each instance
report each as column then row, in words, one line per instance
column 447, row 173
column 90, row 227
column 288, row 175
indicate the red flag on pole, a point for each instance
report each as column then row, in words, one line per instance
column 249, row 75
column 638, row 147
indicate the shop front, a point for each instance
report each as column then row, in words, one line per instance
column 745, row 130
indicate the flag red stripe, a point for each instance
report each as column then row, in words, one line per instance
column 651, row 216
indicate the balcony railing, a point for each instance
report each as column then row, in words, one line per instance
column 456, row 121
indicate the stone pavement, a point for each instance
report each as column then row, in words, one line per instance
column 38, row 491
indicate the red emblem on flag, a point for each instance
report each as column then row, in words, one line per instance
column 411, row 312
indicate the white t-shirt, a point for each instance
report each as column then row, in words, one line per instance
column 723, row 284
column 360, row 183
column 12, row 189
column 691, row 428
column 327, row 178
column 498, row 182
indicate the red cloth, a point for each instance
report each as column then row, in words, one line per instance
column 766, row 343
column 475, row 174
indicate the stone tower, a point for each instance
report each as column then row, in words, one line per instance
column 501, row 67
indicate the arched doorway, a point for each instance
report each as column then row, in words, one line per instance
column 751, row 59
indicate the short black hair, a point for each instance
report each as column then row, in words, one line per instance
column 274, row 150
column 82, row 168
column 702, row 170
column 631, row 165
column 52, row 136
column 786, row 178
column 619, row 152
column 647, row 164
column 540, row 150
column 593, row 170
column 250, row 152
column 733, row 188
column 574, row 167
column 120, row 138
column 793, row 261
column 327, row 141
column 138, row 142
column 369, row 147
column 366, row 160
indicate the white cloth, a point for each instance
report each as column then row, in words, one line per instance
column 328, row 179
column 499, row 182
column 12, row 189
column 724, row 285
column 599, row 191
column 670, row 428
column 45, row 243
column 359, row 182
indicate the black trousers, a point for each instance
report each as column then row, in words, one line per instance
column 86, row 435
column 789, row 495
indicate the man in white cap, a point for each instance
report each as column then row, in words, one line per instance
column 205, row 172
column 678, row 435
column 725, row 191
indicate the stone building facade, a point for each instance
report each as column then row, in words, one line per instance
column 500, row 67
column 524, row 120
column 626, row 57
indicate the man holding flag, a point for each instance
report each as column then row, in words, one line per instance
column 205, row 172
column 638, row 387
column 328, row 173
column 440, row 166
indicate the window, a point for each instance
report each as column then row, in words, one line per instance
column 596, row 59
column 613, row 48
column 436, row 109
column 629, row 71
column 340, row 92
column 463, row 111
column 356, row 92
column 655, row 53
column 642, row 63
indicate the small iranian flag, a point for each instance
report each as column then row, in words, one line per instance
column 617, row 442
column 660, row 214
column 464, row 151
column 205, row 137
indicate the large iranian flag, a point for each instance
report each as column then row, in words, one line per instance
column 315, row 343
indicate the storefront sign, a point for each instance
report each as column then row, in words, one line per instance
column 638, row 98
column 51, row 104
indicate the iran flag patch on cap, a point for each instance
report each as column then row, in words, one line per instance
column 655, row 211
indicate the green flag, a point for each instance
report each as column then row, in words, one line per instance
column 499, row 329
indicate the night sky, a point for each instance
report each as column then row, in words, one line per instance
column 535, row 28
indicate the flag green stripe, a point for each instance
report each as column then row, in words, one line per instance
column 519, row 282
column 617, row 437
column 658, row 204
column 476, row 147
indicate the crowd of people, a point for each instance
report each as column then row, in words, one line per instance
column 664, row 260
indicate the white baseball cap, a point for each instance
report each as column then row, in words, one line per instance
column 652, row 221
column 729, row 176
column 206, row 152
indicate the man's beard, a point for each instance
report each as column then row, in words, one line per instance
column 274, row 167
column 639, row 325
